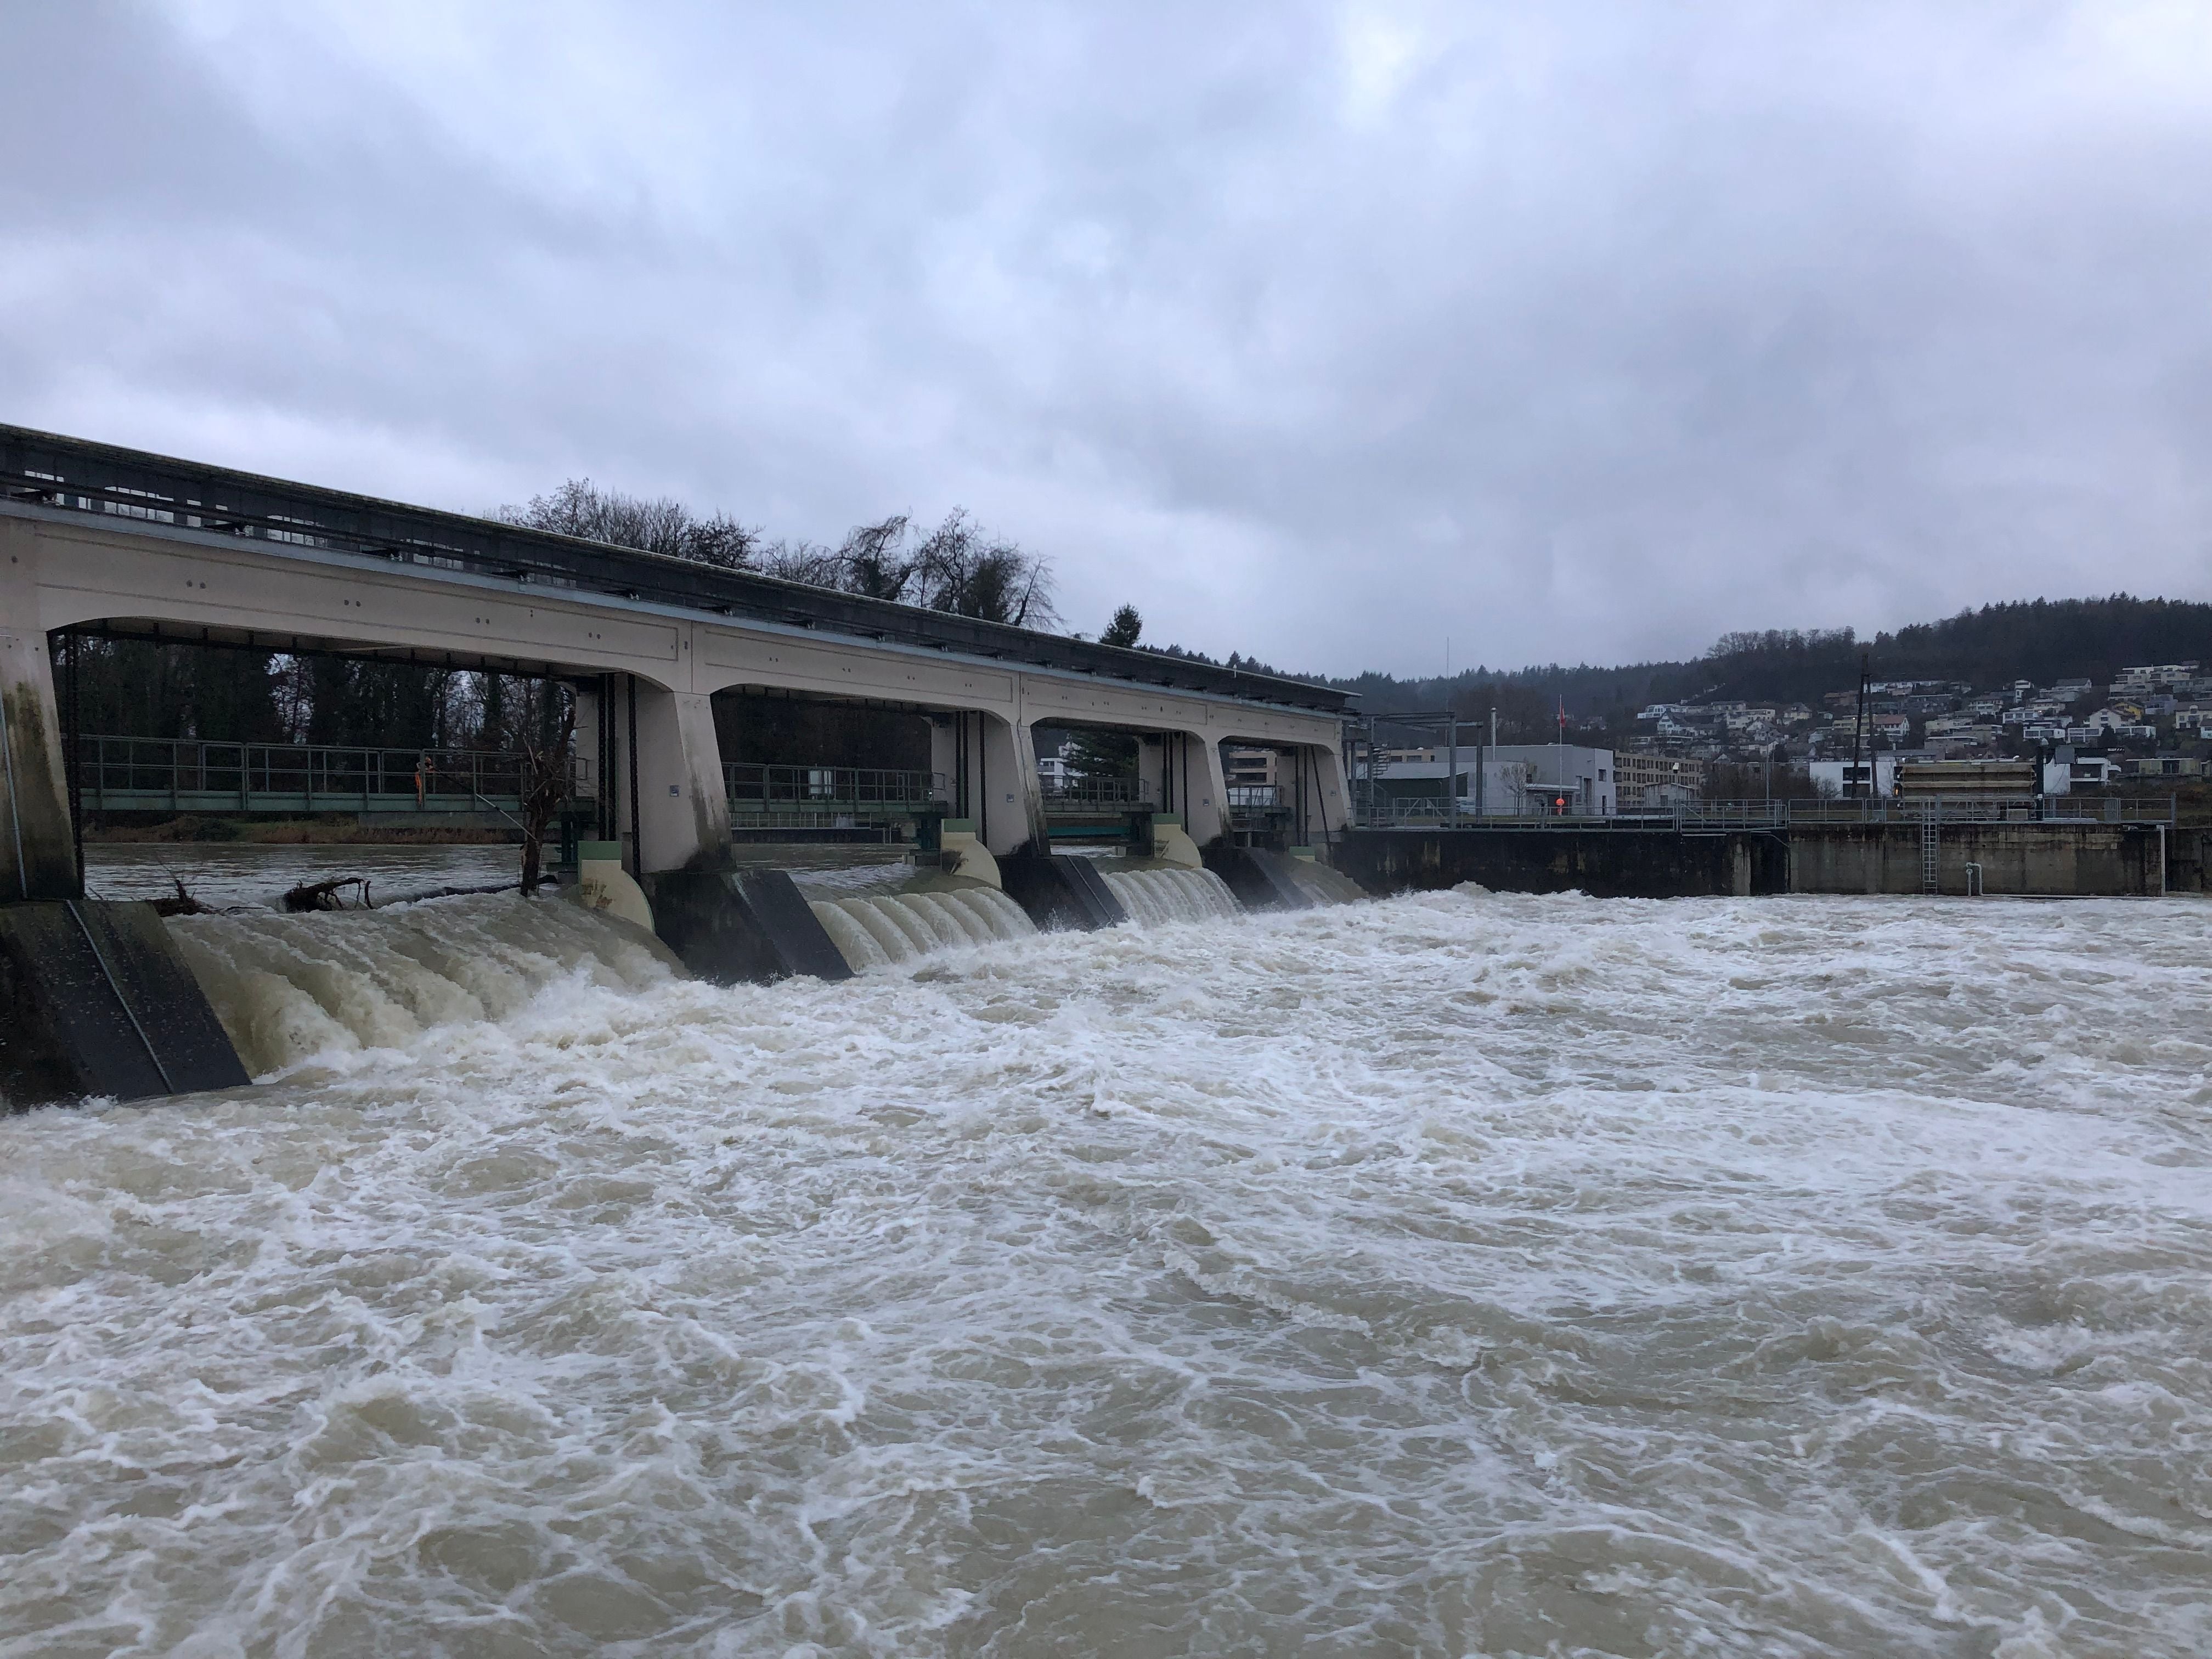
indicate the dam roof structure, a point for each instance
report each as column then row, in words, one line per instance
column 48, row 469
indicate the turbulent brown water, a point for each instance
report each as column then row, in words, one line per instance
column 1456, row 1274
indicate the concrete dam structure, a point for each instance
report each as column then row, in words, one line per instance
column 116, row 543
column 104, row 998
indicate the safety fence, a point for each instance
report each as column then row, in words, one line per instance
column 1436, row 812
column 798, row 796
column 1075, row 797
column 183, row 775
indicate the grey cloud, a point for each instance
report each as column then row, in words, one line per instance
column 1585, row 332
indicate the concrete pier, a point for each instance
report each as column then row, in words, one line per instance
column 38, row 845
column 96, row 999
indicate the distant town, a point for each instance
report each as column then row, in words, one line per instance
column 2148, row 724
column 2148, row 730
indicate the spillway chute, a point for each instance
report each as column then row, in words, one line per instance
column 882, row 930
column 287, row 988
column 1155, row 896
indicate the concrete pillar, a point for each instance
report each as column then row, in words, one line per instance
column 1321, row 803
column 944, row 761
column 1156, row 770
column 38, row 845
column 1205, row 803
column 1009, row 805
column 683, row 814
column 591, row 785
column 988, row 764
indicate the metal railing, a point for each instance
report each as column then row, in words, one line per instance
column 1256, row 797
column 1434, row 811
column 176, row 774
column 186, row 774
column 1065, row 796
column 758, row 791
column 1914, row 809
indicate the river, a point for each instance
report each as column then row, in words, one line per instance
column 1453, row 1274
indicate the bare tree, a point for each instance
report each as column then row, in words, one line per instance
column 545, row 787
column 871, row 561
column 810, row 562
column 957, row 567
column 581, row 507
column 960, row 568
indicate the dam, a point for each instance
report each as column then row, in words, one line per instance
column 662, row 658
column 117, row 544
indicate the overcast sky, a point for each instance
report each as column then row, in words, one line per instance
column 1567, row 331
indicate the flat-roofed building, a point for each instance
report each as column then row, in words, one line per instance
column 1646, row 782
column 1968, row 780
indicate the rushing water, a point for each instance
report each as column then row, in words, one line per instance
column 289, row 988
column 1453, row 1274
column 877, row 930
column 1152, row 897
column 885, row 929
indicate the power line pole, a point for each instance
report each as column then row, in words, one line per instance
column 1852, row 782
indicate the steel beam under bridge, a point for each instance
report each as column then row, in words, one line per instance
column 149, row 547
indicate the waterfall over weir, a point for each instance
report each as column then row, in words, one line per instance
column 287, row 988
column 1157, row 896
column 876, row 930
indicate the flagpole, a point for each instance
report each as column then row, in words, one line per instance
column 1563, row 753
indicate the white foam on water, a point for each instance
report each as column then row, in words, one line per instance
column 1153, row 896
column 1453, row 1274
column 877, row 930
column 292, row 987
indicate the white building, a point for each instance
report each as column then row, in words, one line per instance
column 1519, row 780
column 1829, row 776
column 1053, row 770
column 2062, row 777
column 2154, row 677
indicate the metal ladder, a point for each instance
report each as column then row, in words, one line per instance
column 1930, row 847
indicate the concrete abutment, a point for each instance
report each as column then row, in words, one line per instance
column 38, row 840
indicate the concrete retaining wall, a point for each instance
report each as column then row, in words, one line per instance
column 2052, row 859
column 2188, row 860
column 1603, row 863
column 2048, row 859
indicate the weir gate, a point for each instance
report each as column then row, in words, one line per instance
column 95, row 540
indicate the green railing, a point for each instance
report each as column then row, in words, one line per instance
column 798, row 795
column 186, row 774
column 1084, row 797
